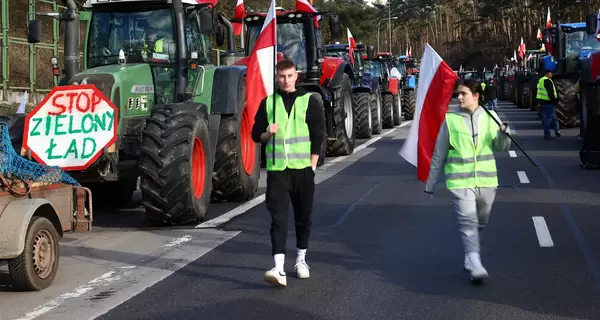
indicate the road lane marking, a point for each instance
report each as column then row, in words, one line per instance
column 522, row 177
column 512, row 153
column 353, row 206
column 543, row 234
column 226, row 217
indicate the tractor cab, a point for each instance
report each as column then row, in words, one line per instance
column 298, row 39
column 341, row 50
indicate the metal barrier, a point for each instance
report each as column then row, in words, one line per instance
column 37, row 54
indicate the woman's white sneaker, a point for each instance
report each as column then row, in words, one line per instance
column 276, row 277
column 302, row 270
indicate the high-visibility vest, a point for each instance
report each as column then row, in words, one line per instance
column 292, row 140
column 542, row 93
column 467, row 165
column 158, row 46
column 483, row 86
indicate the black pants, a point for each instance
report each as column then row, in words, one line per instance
column 297, row 185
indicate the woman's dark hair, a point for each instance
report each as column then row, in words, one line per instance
column 474, row 86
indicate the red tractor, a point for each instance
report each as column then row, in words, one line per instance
column 327, row 78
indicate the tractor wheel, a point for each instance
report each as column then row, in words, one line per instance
column 526, row 96
column 343, row 114
column 506, row 94
column 175, row 165
column 323, row 150
column 376, row 112
column 363, row 115
column 387, row 110
column 237, row 156
column 566, row 111
column 398, row 109
column 37, row 265
column 409, row 105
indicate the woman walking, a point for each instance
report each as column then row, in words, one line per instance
column 464, row 151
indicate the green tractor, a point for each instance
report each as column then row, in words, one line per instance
column 183, row 125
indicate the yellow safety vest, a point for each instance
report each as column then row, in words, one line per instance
column 467, row 165
column 292, row 140
column 542, row 93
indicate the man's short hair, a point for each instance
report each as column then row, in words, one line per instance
column 284, row 65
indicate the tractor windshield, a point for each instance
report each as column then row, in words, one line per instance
column 144, row 36
column 290, row 41
column 374, row 67
column 574, row 42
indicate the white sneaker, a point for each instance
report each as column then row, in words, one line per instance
column 478, row 272
column 468, row 266
column 302, row 270
column 276, row 278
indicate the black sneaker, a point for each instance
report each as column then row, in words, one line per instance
column 557, row 134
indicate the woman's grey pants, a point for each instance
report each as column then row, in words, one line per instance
column 473, row 208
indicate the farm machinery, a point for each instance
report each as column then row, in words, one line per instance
column 409, row 72
column 367, row 119
column 180, row 122
column 394, row 88
column 328, row 78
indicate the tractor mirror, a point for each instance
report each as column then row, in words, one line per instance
column 590, row 24
column 334, row 27
column 34, row 32
column 370, row 52
column 220, row 35
column 206, row 21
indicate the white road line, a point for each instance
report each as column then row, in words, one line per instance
column 523, row 177
column 226, row 217
column 543, row 234
column 512, row 153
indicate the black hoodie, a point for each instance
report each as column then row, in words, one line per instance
column 314, row 118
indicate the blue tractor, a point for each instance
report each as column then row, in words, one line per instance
column 409, row 84
column 570, row 43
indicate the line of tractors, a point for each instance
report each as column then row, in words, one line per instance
column 575, row 65
column 189, row 143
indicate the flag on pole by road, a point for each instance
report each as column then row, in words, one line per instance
column 436, row 83
column 351, row 46
column 239, row 13
column 260, row 81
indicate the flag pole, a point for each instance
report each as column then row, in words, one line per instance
column 510, row 137
column 274, row 78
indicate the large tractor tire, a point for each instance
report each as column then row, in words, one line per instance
column 343, row 114
column 387, row 110
column 237, row 156
column 363, row 115
column 376, row 112
column 409, row 105
column 566, row 111
column 526, row 96
column 507, row 92
column 398, row 105
column 175, row 165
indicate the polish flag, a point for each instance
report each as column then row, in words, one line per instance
column 239, row 13
column 260, row 76
column 598, row 26
column 522, row 49
column 410, row 52
column 548, row 20
column 539, row 34
column 306, row 6
column 351, row 46
column 436, row 84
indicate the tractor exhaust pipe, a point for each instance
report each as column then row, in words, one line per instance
column 71, row 39
column 229, row 26
column 182, row 66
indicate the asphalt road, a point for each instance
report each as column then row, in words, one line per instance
column 380, row 249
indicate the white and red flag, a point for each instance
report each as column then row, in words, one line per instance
column 306, row 6
column 539, row 34
column 260, row 76
column 238, row 13
column 436, row 83
column 351, row 46
column 522, row 49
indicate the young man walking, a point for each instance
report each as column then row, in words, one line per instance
column 292, row 126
